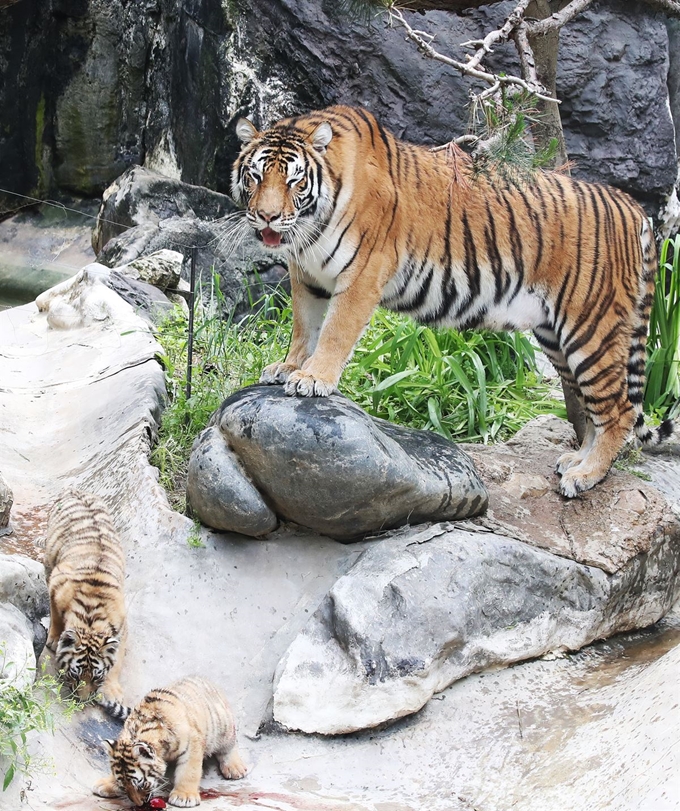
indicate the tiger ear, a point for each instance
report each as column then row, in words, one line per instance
column 110, row 744
column 321, row 137
column 68, row 638
column 246, row 131
column 111, row 644
column 143, row 750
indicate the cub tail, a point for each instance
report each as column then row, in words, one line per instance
column 113, row 708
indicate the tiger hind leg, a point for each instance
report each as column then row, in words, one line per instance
column 551, row 348
column 602, row 391
column 601, row 375
column 572, row 458
column 231, row 764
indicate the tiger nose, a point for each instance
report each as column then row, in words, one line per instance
column 267, row 216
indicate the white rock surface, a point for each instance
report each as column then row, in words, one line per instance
column 22, row 583
column 17, row 659
column 596, row 730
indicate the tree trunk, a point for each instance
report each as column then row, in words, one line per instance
column 549, row 126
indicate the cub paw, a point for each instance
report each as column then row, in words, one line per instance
column 184, row 799
column 232, row 767
column 107, row 788
column 306, row 385
column 52, row 642
column 277, row 373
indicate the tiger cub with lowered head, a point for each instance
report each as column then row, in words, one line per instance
column 85, row 569
column 365, row 219
column 184, row 723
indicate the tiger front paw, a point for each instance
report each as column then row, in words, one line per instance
column 567, row 460
column 305, row 384
column 184, row 799
column 277, row 373
column 578, row 479
column 107, row 787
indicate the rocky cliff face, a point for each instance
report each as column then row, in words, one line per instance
column 94, row 86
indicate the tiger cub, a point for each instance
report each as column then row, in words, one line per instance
column 364, row 219
column 184, row 723
column 85, row 569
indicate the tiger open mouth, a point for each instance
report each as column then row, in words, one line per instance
column 271, row 238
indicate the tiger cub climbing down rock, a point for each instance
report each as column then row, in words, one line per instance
column 183, row 723
column 364, row 219
column 85, row 569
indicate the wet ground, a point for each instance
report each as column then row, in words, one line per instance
column 41, row 246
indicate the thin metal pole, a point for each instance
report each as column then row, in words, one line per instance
column 190, row 346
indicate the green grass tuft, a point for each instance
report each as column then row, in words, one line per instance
column 472, row 386
column 23, row 711
column 662, row 389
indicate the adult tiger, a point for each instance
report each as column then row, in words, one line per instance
column 365, row 219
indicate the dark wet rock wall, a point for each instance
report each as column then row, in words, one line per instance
column 95, row 86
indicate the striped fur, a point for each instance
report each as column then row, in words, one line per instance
column 85, row 570
column 365, row 220
column 182, row 724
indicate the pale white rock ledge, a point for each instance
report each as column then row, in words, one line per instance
column 595, row 730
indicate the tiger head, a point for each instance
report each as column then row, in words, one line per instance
column 85, row 657
column 280, row 177
column 138, row 768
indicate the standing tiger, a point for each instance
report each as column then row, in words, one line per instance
column 365, row 219
column 182, row 724
column 85, row 569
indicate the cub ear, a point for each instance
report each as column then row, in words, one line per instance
column 246, row 131
column 143, row 750
column 321, row 137
column 110, row 745
column 68, row 638
column 111, row 644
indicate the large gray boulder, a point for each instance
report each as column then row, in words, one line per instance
column 325, row 464
column 22, row 583
column 430, row 605
column 143, row 213
column 23, row 592
column 17, row 655
column 141, row 196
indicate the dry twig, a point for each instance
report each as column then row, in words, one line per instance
column 472, row 67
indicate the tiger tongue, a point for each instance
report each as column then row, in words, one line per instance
column 270, row 237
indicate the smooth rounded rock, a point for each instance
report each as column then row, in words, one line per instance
column 327, row 465
column 219, row 491
column 23, row 584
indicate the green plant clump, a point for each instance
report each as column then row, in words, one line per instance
column 475, row 386
column 24, row 710
column 662, row 389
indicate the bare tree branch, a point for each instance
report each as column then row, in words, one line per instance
column 525, row 52
column 670, row 7
column 471, row 67
column 501, row 35
column 561, row 18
